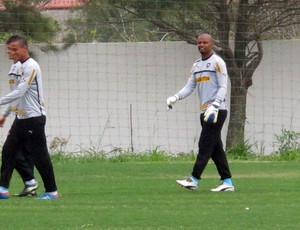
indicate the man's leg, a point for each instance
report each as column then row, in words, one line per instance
column 218, row 155
column 36, row 145
column 11, row 146
column 221, row 162
column 207, row 142
column 25, row 168
column 220, row 159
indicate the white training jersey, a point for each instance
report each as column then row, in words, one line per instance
column 210, row 77
column 26, row 96
column 14, row 77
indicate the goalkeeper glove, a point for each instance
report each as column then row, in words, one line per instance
column 171, row 100
column 211, row 113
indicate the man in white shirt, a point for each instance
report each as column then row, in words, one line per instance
column 28, row 129
column 209, row 75
column 23, row 164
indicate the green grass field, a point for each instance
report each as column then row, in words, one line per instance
column 144, row 195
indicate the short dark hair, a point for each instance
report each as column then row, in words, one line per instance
column 17, row 38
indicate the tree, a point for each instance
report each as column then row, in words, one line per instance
column 103, row 21
column 245, row 23
column 25, row 17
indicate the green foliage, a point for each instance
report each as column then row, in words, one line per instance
column 241, row 151
column 118, row 155
column 152, row 156
column 107, row 21
column 104, row 23
column 288, row 144
column 287, row 140
column 140, row 20
column 24, row 18
column 290, row 155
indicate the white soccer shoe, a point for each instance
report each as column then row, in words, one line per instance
column 188, row 183
column 223, row 187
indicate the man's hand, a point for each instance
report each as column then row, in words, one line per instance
column 171, row 100
column 2, row 120
column 211, row 113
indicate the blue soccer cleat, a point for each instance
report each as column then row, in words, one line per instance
column 3, row 193
column 47, row 196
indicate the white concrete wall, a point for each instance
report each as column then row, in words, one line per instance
column 273, row 101
column 90, row 87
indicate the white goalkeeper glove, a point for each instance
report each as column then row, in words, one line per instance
column 171, row 100
column 211, row 113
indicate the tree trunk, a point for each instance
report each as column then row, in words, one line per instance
column 237, row 120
